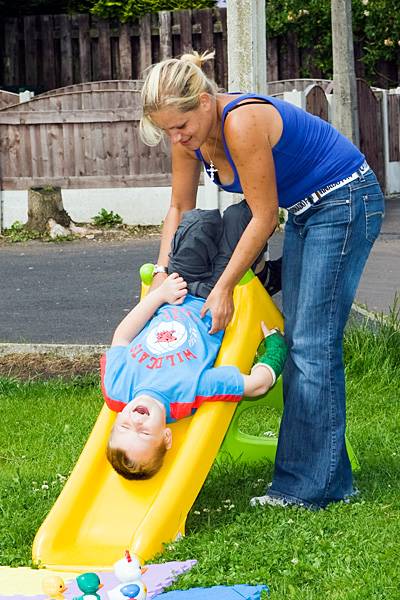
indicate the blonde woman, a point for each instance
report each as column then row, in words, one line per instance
column 276, row 154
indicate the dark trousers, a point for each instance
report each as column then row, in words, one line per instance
column 203, row 245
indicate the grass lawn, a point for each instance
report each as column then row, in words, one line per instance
column 346, row 552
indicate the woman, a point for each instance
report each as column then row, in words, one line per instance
column 278, row 155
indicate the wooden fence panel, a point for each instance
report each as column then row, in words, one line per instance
column 11, row 52
column 394, row 126
column 85, row 55
column 8, row 99
column 65, row 25
column 47, row 36
column 83, row 138
column 371, row 131
column 31, row 51
column 165, row 34
column 184, row 19
column 316, row 102
column 145, row 42
column 125, row 53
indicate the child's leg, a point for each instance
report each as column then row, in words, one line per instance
column 235, row 220
column 195, row 246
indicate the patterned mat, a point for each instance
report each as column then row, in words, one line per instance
column 23, row 583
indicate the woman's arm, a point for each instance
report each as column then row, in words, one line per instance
column 248, row 135
column 172, row 290
column 185, row 179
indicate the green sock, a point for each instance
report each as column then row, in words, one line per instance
column 273, row 352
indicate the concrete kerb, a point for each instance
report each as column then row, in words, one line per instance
column 64, row 350
column 76, row 350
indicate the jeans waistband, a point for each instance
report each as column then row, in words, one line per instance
column 303, row 205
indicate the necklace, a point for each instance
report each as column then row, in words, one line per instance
column 212, row 169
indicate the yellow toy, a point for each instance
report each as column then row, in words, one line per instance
column 98, row 512
column 54, row 587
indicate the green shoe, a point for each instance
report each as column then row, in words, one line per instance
column 273, row 352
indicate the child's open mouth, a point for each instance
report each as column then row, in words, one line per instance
column 142, row 410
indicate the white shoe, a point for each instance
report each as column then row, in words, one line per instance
column 268, row 500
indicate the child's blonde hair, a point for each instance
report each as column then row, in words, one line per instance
column 132, row 469
column 175, row 83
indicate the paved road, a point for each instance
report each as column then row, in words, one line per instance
column 69, row 292
column 77, row 292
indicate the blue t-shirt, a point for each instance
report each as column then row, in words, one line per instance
column 310, row 155
column 172, row 361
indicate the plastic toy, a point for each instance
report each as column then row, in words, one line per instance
column 146, row 273
column 129, row 572
column 54, row 587
column 89, row 584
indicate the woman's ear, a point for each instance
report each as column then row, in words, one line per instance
column 205, row 101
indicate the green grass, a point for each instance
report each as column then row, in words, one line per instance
column 346, row 552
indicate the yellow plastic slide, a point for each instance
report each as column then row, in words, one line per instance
column 99, row 514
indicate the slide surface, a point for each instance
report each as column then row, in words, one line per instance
column 99, row 514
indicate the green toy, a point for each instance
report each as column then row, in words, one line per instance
column 89, row 584
column 146, row 273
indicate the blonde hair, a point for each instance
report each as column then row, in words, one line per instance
column 173, row 83
column 130, row 469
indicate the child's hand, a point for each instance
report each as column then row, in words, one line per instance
column 173, row 289
column 275, row 353
column 267, row 332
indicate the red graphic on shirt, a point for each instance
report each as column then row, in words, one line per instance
column 166, row 336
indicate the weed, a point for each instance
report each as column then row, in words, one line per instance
column 19, row 233
column 107, row 219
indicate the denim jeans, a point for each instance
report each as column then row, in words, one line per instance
column 325, row 251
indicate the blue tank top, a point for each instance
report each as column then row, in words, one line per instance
column 310, row 154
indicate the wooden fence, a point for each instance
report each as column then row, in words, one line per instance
column 81, row 136
column 86, row 135
column 43, row 52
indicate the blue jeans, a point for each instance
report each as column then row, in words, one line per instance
column 325, row 251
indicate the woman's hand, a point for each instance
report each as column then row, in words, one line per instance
column 220, row 304
column 173, row 289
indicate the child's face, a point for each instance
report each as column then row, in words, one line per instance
column 140, row 428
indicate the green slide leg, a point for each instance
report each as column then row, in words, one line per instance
column 251, row 448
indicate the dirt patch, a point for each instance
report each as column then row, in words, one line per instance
column 119, row 233
column 29, row 367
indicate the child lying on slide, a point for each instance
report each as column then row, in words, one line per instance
column 160, row 364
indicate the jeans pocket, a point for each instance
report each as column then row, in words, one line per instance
column 374, row 213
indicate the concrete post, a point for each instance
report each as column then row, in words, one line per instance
column 345, row 113
column 247, row 56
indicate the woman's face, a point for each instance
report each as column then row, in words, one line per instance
column 191, row 128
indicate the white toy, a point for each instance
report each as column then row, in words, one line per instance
column 129, row 572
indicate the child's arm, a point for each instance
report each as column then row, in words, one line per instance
column 269, row 366
column 172, row 290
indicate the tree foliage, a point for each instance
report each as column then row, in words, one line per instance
column 126, row 10
column 376, row 25
column 123, row 10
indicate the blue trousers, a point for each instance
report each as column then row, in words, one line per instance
column 325, row 251
column 204, row 243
